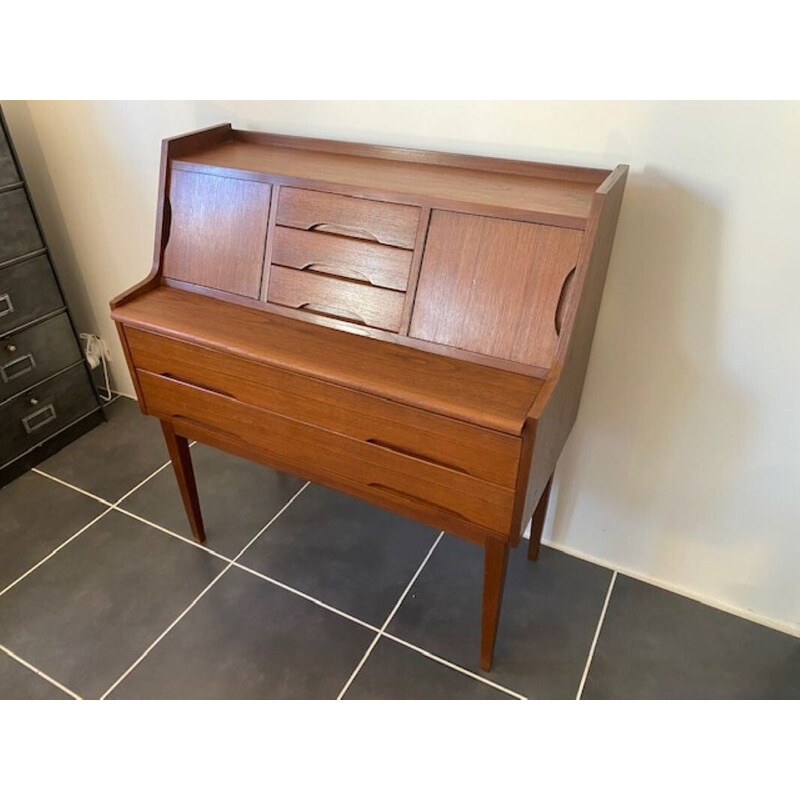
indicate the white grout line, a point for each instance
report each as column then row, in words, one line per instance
column 596, row 636
column 71, row 486
column 389, row 618
column 161, row 528
column 456, row 667
column 305, row 596
column 40, row 673
column 183, row 613
column 681, row 591
column 169, row 627
column 53, row 552
column 142, row 483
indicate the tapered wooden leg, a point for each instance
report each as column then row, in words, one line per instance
column 494, row 578
column 537, row 523
column 178, row 447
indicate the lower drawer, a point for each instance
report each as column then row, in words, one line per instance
column 40, row 412
column 366, row 466
column 34, row 354
column 488, row 455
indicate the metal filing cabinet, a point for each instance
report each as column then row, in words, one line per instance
column 47, row 398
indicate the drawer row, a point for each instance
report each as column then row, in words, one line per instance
column 342, row 257
column 457, row 472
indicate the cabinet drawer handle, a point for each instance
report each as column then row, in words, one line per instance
column 329, row 311
column 36, row 419
column 403, row 452
column 18, row 367
column 6, row 306
column 344, row 230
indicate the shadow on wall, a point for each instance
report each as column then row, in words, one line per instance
column 645, row 446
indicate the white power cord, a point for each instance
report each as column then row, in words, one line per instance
column 96, row 351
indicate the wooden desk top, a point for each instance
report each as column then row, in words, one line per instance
column 482, row 395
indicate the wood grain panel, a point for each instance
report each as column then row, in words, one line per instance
column 386, row 223
column 482, row 395
column 218, row 232
column 335, row 297
column 337, row 255
column 459, row 446
column 473, row 184
column 492, row 286
column 477, row 502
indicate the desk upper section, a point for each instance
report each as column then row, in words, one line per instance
column 475, row 258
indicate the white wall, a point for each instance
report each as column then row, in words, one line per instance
column 684, row 465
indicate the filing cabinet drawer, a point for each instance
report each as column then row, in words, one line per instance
column 336, row 297
column 19, row 234
column 28, row 290
column 348, row 258
column 459, row 446
column 386, row 223
column 35, row 354
column 362, row 464
column 8, row 169
column 44, row 410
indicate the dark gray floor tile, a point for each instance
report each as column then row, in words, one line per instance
column 37, row 515
column 237, row 498
column 249, row 639
column 112, row 458
column 658, row 645
column 396, row 672
column 548, row 619
column 86, row 614
column 17, row 682
column 349, row 554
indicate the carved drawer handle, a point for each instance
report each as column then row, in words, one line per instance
column 347, row 273
column 330, row 311
column 344, row 230
column 206, row 426
column 563, row 297
column 435, row 506
column 412, row 454
column 196, row 385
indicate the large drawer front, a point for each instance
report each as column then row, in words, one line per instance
column 387, row 223
column 28, row 290
column 19, row 233
column 338, row 298
column 366, row 466
column 41, row 412
column 483, row 454
column 35, row 354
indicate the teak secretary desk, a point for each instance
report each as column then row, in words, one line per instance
column 409, row 327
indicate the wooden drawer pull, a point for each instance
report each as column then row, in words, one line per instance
column 206, row 426
column 344, row 230
column 197, row 385
column 406, row 496
column 404, row 452
column 563, row 298
column 345, row 273
column 329, row 311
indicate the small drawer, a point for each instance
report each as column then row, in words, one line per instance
column 39, row 413
column 35, row 354
column 386, row 223
column 368, row 467
column 336, row 297
column 347, row 258
column 19, row 234
column 28, row 290
column 8, row 169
